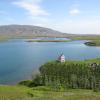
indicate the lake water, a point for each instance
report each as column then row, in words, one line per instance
column 19, row 59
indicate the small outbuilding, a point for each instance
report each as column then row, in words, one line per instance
column 61, row 58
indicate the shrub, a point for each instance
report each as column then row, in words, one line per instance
column 25, row 83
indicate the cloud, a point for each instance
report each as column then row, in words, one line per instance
column 74, row 12
column 33, row 7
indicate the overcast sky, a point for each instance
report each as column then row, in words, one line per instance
column 69, row 16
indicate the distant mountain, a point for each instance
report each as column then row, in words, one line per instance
column 28, row 30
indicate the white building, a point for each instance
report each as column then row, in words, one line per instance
column 61, row 58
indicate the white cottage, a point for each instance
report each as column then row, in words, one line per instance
column 61, row 58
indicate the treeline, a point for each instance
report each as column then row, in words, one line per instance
column 74, row 75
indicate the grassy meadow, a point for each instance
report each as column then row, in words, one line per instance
column 44, row 93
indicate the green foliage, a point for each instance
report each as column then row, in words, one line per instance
column 37, row 81
column 26, row 83
column 71, row 74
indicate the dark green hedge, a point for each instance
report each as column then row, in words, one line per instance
column 70, row 75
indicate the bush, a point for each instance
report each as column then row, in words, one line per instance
column 25, row 83
column 37, row 81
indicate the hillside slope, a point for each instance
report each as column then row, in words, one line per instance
column 28, row 30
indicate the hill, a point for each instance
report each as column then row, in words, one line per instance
column 36, row 31
column 28, row 30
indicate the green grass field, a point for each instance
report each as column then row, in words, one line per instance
column 43, row 93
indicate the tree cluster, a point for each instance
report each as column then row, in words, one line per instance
column 74, row 75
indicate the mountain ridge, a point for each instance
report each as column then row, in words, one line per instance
column 31, row 31
column 28, row 30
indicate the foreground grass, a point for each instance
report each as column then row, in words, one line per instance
column 44, row 93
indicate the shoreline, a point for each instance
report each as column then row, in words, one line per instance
column 48, row 41
column 95, row 43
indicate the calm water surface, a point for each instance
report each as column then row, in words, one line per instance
column 19, row 59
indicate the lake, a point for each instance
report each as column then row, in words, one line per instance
column 20, row 59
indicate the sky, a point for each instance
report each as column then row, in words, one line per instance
column 68, row 16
